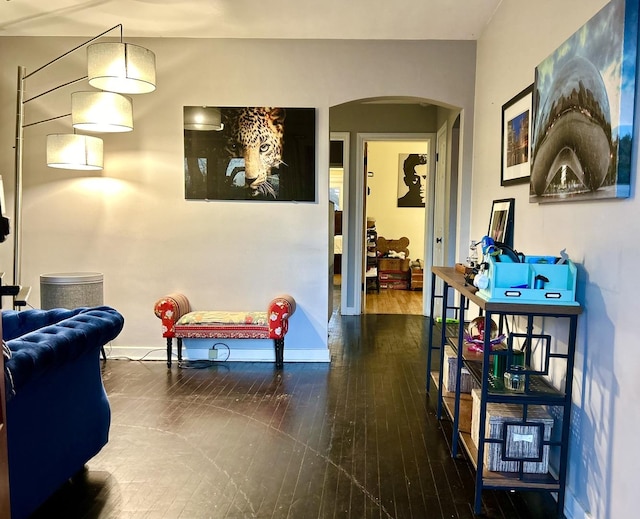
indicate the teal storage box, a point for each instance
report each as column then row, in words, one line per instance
column 516, row 282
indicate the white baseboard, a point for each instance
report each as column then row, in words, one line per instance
column 136, row 353
column 259, row 355
column 235, row 354
column 573, row 509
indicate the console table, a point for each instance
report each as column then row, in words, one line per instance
column 538, row 391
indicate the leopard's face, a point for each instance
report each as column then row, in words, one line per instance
column 257, row 136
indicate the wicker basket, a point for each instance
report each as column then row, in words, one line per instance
column 524, row 440
column 467, row 382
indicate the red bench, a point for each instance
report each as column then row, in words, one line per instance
column 180, row 322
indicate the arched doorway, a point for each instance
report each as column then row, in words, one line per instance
column 379, row 116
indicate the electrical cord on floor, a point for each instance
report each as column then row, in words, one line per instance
column 125, row 357
column 206, row 363
column 197, row 364
column 186, row 364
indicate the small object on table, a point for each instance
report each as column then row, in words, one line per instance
column 461, row 267
column 448, row 320
column 539, row 281
column 474, row 334
column 514, row 379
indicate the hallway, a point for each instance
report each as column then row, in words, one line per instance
column 386, row 301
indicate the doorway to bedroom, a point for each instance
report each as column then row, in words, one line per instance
column 389, row 119
column 398, row 175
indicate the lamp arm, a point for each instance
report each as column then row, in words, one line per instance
column 72, row 82
column 75, row 49
column 47, row 120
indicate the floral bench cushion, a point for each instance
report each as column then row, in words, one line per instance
column 223, row 325
column 222, row 317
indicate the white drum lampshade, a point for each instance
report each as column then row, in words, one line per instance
column 101, row 112
column 71, row 151
column 121, row 67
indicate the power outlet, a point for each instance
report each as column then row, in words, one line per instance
column 213, row 354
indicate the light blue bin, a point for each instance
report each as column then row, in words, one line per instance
column 515, row 282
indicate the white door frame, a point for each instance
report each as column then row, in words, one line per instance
column 441, row 205
column 344, row 137
column 358, row 201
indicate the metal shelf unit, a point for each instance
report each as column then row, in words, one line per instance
column 372, row 277
column 538, row 390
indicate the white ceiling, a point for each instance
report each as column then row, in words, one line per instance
column 313, row 19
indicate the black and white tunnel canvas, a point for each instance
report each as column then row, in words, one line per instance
column 583, row 106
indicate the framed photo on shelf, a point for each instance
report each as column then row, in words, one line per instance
column 516, row 147
column 501, row 221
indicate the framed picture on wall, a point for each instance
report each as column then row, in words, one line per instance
column 583, row 117
column 516, row 147
column 412, row 179
column 501, row 221
column 249, row 153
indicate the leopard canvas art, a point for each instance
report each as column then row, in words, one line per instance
column 260, row 153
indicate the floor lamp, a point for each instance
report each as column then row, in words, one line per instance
column 114, row 68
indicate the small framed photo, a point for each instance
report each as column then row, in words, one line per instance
column 501, row 222
column 516, row 144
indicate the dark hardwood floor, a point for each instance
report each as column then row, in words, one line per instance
column 354, row 439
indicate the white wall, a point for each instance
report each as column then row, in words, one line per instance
column 131, row 221
column 600, row 236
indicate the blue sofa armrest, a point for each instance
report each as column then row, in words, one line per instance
column 15, row 323
column 52, row 346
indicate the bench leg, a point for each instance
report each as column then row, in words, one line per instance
column 169, row 348
column 279, row 346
